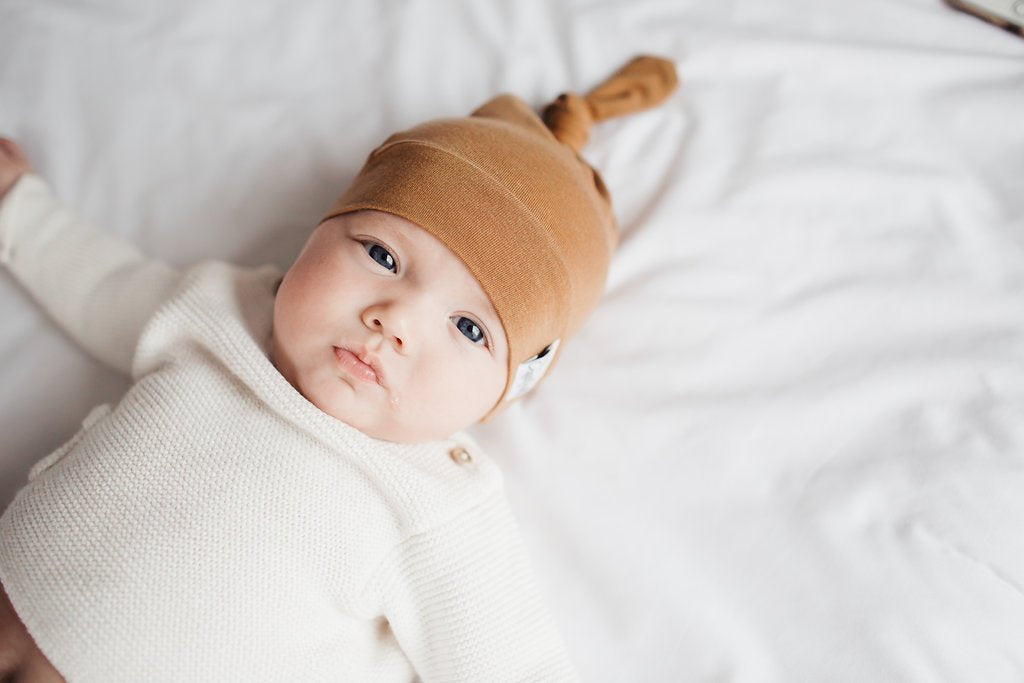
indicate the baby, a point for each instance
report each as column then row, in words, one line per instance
column 285, row 492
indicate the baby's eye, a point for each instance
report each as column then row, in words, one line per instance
column 469, row 329
column 381, row 255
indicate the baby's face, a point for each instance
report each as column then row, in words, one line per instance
column 378, row 324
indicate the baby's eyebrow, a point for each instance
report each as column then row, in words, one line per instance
column 378, row 222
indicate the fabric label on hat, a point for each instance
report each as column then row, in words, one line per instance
column 531, row 370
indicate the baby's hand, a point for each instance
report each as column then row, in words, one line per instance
column 12, row 164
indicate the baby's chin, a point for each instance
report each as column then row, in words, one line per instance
column 379, row 414
column 393, row 428
column 407, row 434
column 379, row 417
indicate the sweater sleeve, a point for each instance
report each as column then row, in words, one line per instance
column 99, row 289
column 462, row 603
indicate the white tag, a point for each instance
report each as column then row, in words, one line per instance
column 531, row 370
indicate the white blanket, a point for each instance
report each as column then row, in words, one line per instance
column 789, row 446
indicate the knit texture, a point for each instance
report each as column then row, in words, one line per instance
column 215, row 525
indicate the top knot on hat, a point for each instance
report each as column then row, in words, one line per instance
column 510, row 196
column 642, row 83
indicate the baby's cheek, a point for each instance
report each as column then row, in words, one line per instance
column 470, row 397
column 298, row 313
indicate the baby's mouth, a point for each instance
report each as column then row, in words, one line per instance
column 363, row 367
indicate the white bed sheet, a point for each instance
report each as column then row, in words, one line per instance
column 789, row 446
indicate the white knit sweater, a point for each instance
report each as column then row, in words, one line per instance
column 216, row 526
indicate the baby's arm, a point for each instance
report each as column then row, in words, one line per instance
column 99, row 289
column 463, row 604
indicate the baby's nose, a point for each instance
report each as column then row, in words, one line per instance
column 392, row 321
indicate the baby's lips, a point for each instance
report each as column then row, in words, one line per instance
column 363, row 366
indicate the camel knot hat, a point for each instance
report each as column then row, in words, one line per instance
column 509, row 194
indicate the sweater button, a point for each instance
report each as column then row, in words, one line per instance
column 461, row 456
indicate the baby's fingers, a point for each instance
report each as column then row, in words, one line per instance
column 11, row 151
column 13, row 164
